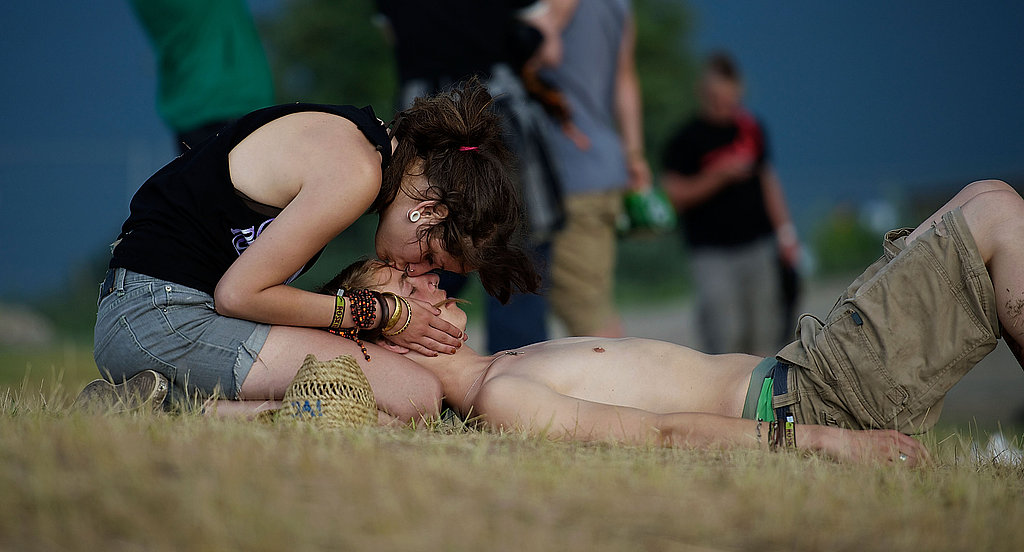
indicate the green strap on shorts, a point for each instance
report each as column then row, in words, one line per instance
column 765, row 411
column 758, row 404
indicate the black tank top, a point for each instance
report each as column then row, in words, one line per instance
column 188, row 223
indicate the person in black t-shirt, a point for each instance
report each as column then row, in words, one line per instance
column 197, row 297
column 734, row 217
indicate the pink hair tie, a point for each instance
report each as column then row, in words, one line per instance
column 467, row 148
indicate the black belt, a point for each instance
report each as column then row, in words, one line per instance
column 109, row 281
column 785, row 431
column 780, row 386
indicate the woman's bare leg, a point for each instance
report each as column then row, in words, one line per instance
column 225, row 408
column 995, row 214
column 402, row 388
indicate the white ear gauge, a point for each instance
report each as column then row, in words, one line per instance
column 414, row 216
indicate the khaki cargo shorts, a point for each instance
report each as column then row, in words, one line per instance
column 900, row 336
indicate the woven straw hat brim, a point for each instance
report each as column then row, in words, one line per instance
column 332, row 394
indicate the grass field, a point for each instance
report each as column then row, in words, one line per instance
column 71, row 481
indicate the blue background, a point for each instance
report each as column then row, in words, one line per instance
column 862, row 100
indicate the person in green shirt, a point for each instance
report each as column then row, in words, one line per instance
column 211, row 66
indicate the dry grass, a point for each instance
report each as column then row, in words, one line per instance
column 176, row 482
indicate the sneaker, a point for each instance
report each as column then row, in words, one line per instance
column 147, row 388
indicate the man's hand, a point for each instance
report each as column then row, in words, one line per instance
column 865, row 446
column 789, row 244
column 732, row 168
column 639, row 172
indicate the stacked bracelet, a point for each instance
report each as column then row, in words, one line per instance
column 362, row 303
column 408, row 317
column 780, row 437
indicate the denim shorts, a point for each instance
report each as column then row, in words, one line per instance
column 144, row 323
column 899, row 338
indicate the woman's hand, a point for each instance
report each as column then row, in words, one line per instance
column 427, row 334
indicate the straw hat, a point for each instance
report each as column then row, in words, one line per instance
column 333, row 393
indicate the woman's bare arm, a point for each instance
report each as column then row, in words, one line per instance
column 326, row 174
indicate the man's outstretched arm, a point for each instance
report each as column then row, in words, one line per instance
column 520, row 403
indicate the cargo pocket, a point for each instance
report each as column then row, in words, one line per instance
column 906, row 337
column 863, row 381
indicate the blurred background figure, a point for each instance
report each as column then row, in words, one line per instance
column 598, row 160
column 734, row 217
column 439, row 43
column 211, row 66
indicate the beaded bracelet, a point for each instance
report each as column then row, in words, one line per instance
column 364, row 311
column 353, row 334
column 408, row 318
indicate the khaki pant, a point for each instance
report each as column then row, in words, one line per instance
column 899, row 338
column 583, row 262
column 739, row 298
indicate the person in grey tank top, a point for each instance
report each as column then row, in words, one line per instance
column 598, row 163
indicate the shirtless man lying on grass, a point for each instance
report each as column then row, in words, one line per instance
column 896, row 341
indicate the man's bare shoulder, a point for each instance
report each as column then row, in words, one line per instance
column 504, row 398
column 509, row 387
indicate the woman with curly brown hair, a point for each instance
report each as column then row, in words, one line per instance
column 195, row 302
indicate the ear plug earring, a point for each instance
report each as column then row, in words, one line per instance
column 414, row 216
